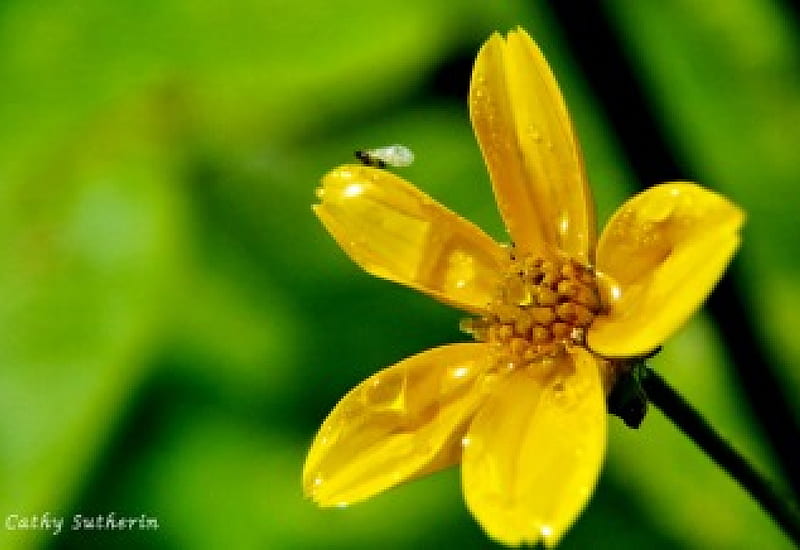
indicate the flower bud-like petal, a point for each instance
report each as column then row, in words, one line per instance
column 659, row 256
column 395, row 231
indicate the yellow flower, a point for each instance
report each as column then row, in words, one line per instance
column 523, row 408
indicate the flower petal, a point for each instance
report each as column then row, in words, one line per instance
column 395, row 231
column 533, row 453
column 661, row 254
column 530, row 148
column 396, row 424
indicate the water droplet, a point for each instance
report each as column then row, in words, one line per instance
column 546, row 531
column 342, row 504
column 466, row 441
column 460, row 372
column 353, row 190
column 563, row 223
column 387, row 391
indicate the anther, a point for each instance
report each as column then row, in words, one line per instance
column 586, row 296
column 523, row 325
column 567, row 288
column 518, row 347
column 550, row 279
column 569, row 270
column 587, row 277
column 561, row 330
column 566, row 312
column 505, row 332
column 542, row 315
column 583, row 317
column 506, row 313
column 540, row 334
column 546, row 297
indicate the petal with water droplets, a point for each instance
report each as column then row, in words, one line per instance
column 395, row 231
column 529, row 144
column 404, row 421
column 659, row 257
column 534, row 452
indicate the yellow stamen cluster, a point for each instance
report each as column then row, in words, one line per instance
column 540, row 307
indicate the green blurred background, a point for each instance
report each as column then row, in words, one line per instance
column 175, row 324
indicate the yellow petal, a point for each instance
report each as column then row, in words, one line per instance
column 660, row 256
column 533, row 453
column 530, row 148
column 395, row 231
column 395, row 424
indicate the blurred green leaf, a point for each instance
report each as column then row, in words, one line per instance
column 89, row 237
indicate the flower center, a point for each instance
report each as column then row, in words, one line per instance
column 541, row 306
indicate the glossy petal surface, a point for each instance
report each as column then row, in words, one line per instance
column 527, row 139
column 394, row 231
column 396, row 424
column 533, row 453
column 662, row 253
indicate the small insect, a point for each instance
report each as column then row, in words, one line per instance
column 396, row 156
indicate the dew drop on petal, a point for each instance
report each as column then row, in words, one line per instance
column 563, row 223
column 460, row 372
column 387, row 392
column 353, row 190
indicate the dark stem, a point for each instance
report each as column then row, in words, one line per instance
column 689, row 421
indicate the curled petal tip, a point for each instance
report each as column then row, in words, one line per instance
column 662, row 253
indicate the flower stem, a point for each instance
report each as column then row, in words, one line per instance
column 688, row 420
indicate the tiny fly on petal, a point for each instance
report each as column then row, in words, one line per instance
column 396, row 156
